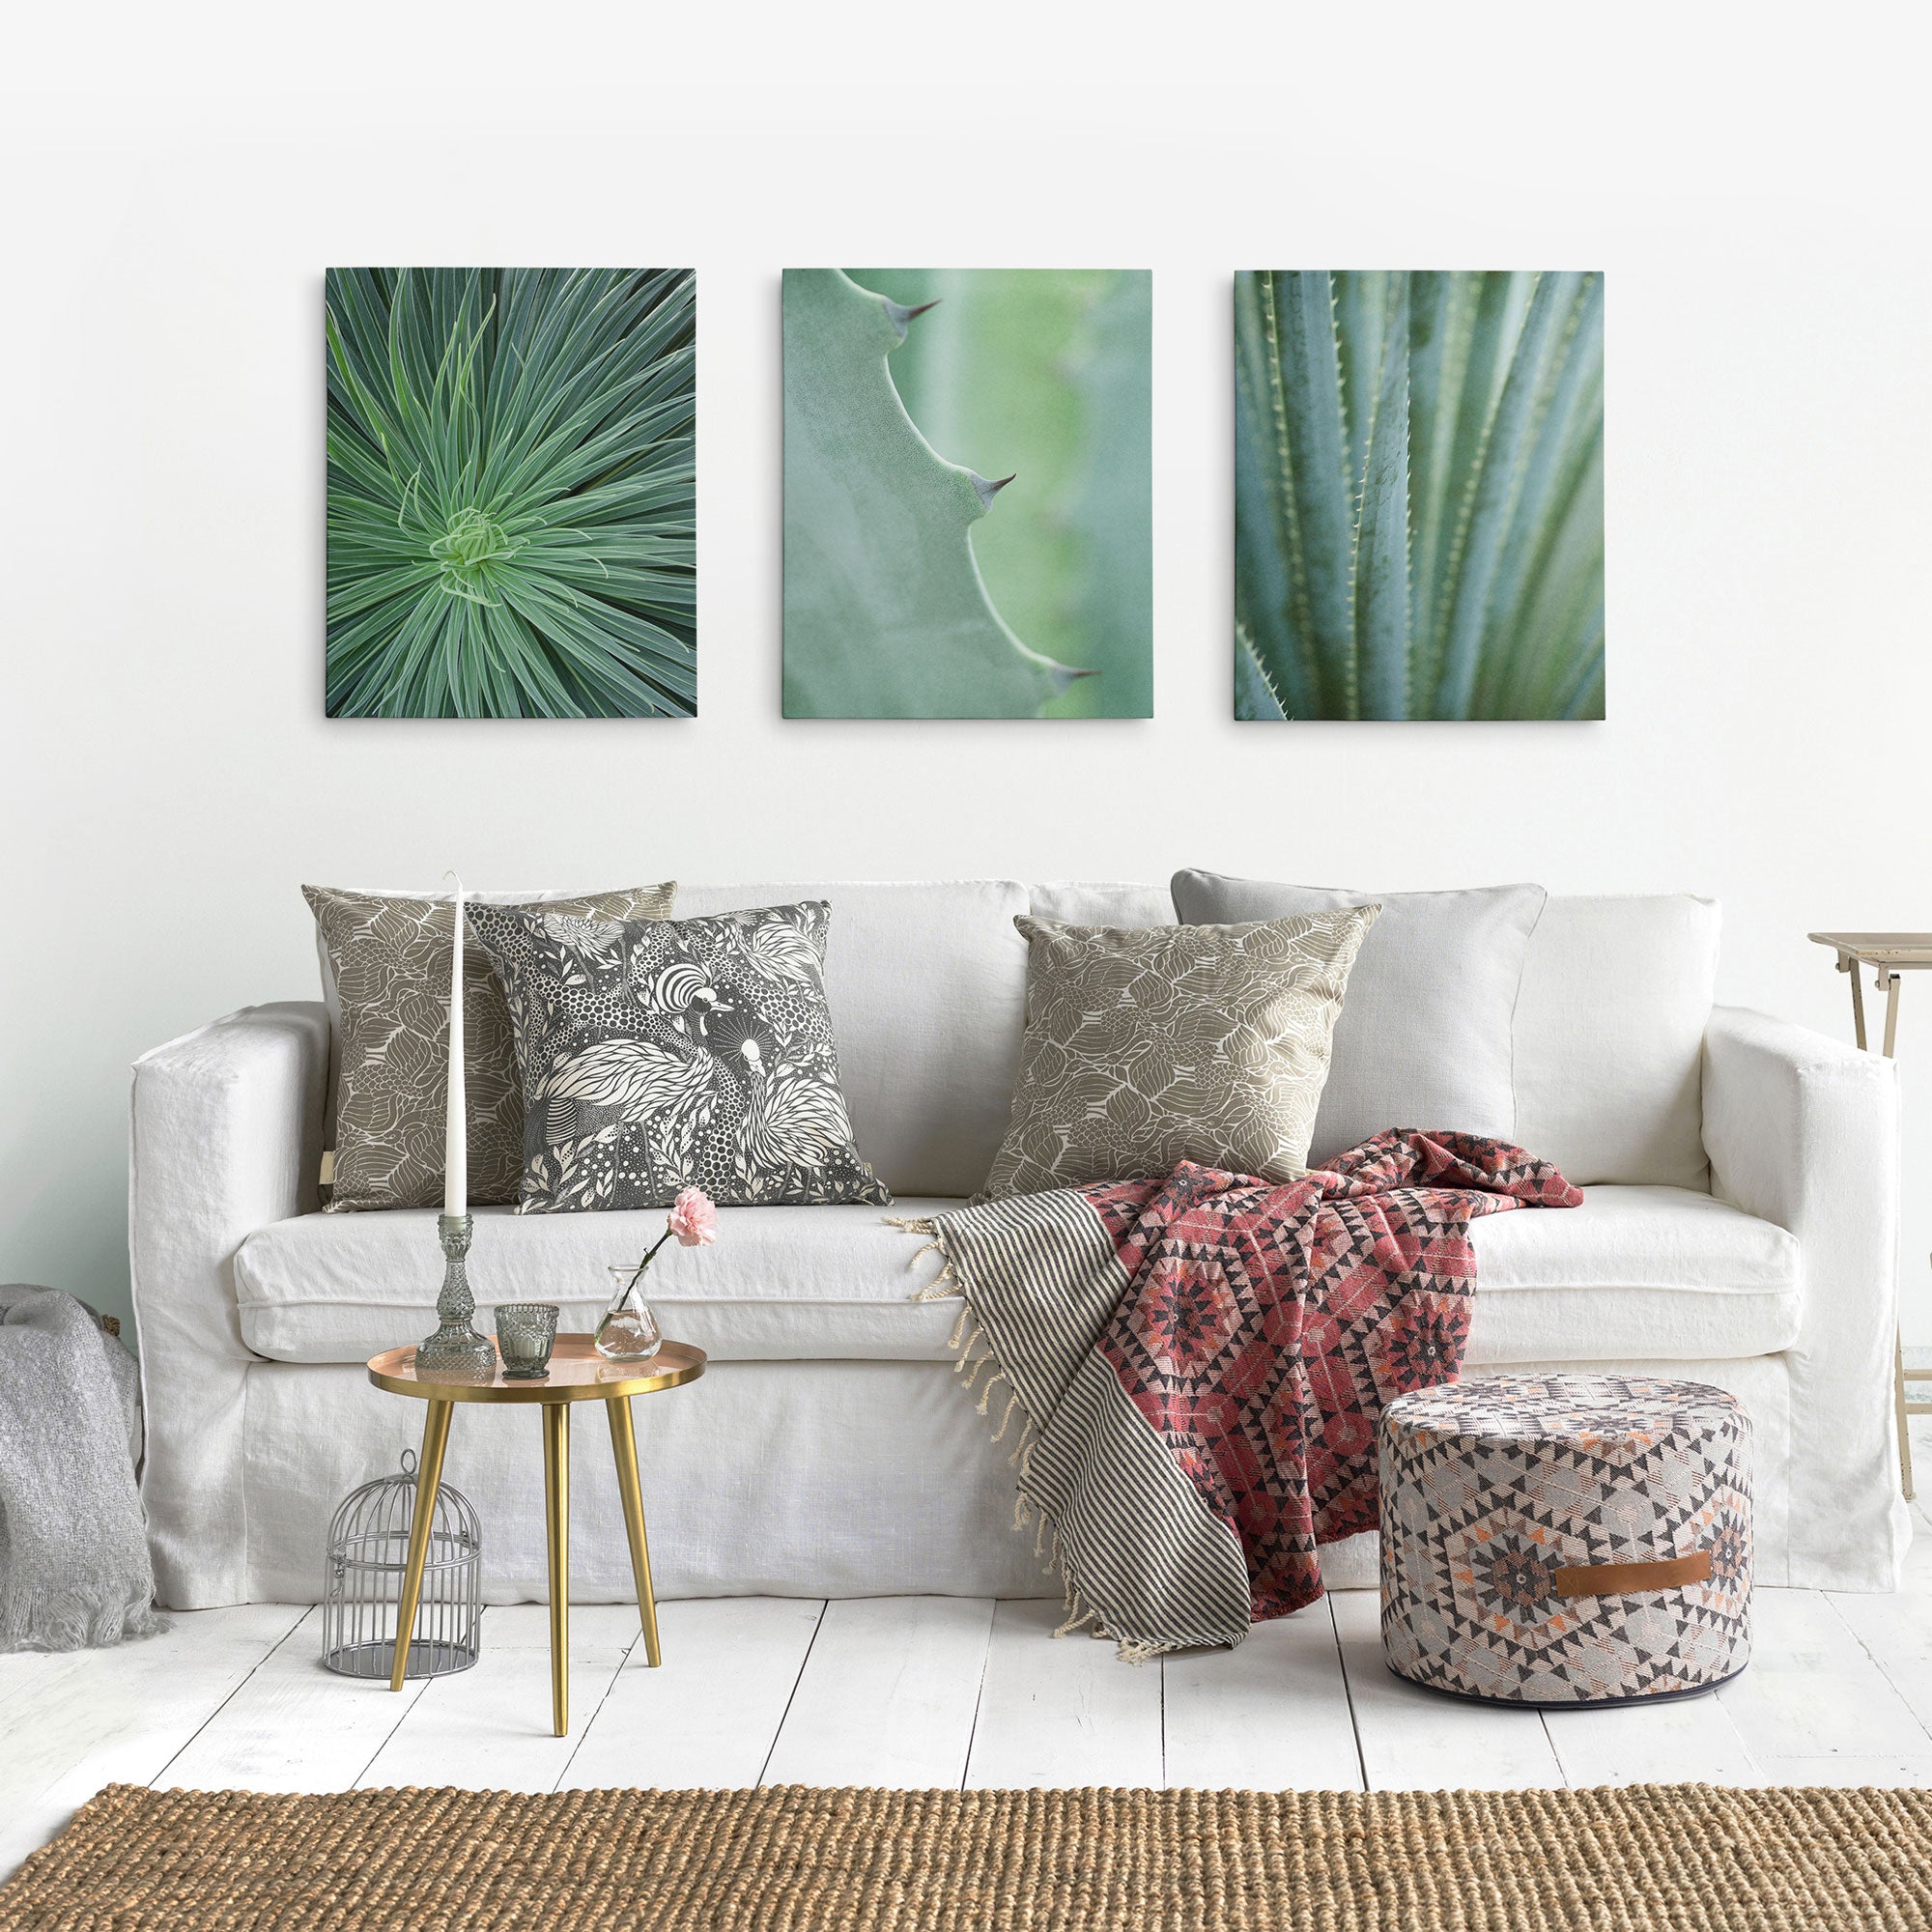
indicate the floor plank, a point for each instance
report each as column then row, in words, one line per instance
column 1692, row 1741
column 887, row 1694
column 81, row 1719
column 1273, row 1716
column 1810, row 1694
column 1061, row 1714
column 293, row 1725
column 1416, row 1740
column 1914, row 1773
column 1897, row 1631
column 488, row 1729
column 706, row 1718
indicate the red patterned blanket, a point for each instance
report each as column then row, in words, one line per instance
column 1198, row 1364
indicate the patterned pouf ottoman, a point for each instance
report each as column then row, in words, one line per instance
column 1566, row 1539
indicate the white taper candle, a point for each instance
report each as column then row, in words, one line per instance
column 455, row 1139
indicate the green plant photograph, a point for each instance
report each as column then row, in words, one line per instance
column 1418, row 495
column 512, row 510
column 968, row 493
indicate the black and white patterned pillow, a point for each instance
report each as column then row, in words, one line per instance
column 661, row 1053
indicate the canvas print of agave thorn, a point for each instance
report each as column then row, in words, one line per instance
column 1418, row 496
column 968, row 493
column 512, row 518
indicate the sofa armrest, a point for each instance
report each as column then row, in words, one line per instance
column 225, row 1137
column 1805, row 1131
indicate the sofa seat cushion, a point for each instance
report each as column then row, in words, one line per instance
column 1635, row 1274
column 781, row 1284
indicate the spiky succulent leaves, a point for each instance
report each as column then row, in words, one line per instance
column 1111, row 512
column 1048, row 372
column 886, row 615
column 511, row 493
column 1450, row 427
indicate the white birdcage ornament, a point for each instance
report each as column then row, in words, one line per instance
column 368, row 1551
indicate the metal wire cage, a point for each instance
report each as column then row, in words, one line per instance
column 368, row 1550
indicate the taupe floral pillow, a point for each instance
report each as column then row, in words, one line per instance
column 1143, row 1049
column 390, row 961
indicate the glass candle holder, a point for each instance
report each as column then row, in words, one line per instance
column 526, row 1334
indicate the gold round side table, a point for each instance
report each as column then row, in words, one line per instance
column 578, row 1373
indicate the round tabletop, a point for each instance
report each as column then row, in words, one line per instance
column 578, row 1373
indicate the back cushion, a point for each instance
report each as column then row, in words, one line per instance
column 1074, row 902
column 1610, row 1038
column 926, row 984
column 1424, row 1039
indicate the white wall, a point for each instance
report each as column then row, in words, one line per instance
column 176, row 180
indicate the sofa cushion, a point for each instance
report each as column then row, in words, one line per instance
column 926, row 984
column 388, row 961
column 662, row 1053
column 1148, row 1046
column 1610, row 1037
column 779, row 1284
column 1634, row 1274
column 1075, row 902
column 1424, row 1039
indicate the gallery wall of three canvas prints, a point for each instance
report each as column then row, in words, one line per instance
column 968, row 494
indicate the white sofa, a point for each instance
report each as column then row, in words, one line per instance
column 1740, row 1181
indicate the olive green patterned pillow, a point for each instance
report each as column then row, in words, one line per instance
column 1143, row 1049
column 389, row 958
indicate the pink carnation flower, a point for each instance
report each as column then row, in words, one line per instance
column 693, row 1219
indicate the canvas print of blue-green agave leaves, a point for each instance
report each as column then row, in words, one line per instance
column 1418, row 495
column 968, row 493
column 512, row 518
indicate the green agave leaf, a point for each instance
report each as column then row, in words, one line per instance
column 1381, row 529
column 1265, row 604
column 1418, row 496
column 886, row 614
column 511, row 496
column 1492, row 500
column 1316, row 480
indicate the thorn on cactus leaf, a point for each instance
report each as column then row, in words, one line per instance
column 1064, row 675
column 901, row 316
column 988, row 490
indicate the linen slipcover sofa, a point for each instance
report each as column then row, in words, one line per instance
column 1738, row 1226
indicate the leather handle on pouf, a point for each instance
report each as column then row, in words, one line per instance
column 1615, row 1579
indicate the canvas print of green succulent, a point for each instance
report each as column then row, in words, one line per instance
column 968, row 493
column 512, row 516
column 1418, row 495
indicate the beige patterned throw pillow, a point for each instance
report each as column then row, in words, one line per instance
column 390, row 958
column 1196, row 1042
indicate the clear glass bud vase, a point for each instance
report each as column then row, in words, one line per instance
column 629, row 1331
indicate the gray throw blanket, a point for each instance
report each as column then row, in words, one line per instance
column 73, row 1546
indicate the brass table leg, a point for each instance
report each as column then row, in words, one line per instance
column 557, row 1516
column 429, row 1475
column 624, row 1447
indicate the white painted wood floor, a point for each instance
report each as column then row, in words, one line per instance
column 934, row 1690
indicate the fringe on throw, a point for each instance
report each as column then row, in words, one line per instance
column 944, row 1285
column 973, row 1350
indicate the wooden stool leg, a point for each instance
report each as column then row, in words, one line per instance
column 1904, row 1415
column 624, row 1447
column 429, row 1478
column 1888, row 984
column 556, row 1519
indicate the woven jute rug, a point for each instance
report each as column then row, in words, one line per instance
column 795, row 1859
